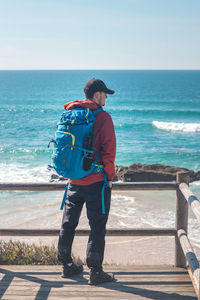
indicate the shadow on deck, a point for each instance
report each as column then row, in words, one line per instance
column 133, row 282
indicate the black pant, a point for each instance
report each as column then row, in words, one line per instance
column 77, row 195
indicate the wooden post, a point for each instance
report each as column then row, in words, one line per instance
column 181, row 219
column 199, row 286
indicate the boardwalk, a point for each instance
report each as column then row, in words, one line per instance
column 142, row 282
column 133, row 282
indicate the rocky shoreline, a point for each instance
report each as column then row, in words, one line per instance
column 138, row 172
column 153, row 172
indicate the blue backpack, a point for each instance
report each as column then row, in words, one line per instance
column 74, row 145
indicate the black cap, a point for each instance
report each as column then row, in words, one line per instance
column 96, row 85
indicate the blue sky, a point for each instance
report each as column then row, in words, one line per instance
column 106, row 34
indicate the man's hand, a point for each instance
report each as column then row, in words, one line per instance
column 110, row 184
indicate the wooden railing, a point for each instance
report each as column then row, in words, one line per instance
column 185, row 197
column 184, row 253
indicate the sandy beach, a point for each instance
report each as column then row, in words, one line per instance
column 121, row 250
column 133, row 209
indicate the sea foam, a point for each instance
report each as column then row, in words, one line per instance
column 173, row 126
column 195, row 183
column 19, row 173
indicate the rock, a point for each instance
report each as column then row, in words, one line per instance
column 153, row 172
column 147, row 176
column 55, row 177
column 143, row 172
column 119, row 172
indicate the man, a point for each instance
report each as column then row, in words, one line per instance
column 89, row 190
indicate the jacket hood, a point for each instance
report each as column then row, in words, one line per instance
column 82, row 103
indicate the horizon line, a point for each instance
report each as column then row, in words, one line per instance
column 99, row 69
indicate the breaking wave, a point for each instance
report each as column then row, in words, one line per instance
column 21, row 173
column 173, row 126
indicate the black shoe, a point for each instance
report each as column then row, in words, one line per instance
column 100, row 277
column 69, row 271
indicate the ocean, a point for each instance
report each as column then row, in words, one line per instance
column 156, row 115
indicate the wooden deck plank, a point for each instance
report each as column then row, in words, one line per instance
column 119, row 268
column 133, row 282
column 126, row 278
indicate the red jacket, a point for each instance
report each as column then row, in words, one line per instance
column 104, row 138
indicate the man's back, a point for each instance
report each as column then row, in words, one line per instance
column 105, row 140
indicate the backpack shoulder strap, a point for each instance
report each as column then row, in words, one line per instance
column 96, row 111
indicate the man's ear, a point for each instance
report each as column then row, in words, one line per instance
column 96, row 95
